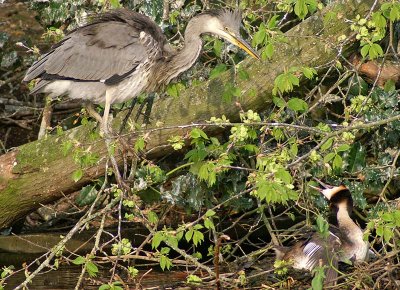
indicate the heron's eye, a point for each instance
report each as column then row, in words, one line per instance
column 226, row 29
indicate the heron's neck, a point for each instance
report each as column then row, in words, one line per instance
column 187, row 56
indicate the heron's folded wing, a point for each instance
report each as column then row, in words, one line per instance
column 100, row 51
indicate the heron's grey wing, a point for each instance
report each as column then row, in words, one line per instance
column 97, row 52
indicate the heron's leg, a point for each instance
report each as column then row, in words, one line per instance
column 148, row 102
column 133, row 104
column 149, row 106
column 104, row 124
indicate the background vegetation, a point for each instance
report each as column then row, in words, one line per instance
column 219, row 202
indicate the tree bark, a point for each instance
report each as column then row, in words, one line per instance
column 40, row 172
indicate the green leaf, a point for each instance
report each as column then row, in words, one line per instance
column 197, row 133
column 327, row 144
column 329, row 157
column 365, row 49
column 115, row 4
column 152, row 216
column 157, row 239
column 92, row 269
column 66, row 147
column 189, row 235
column 217, row 47
column 394, row 13
column 297, row 104
column 86, row 195
column 356, row 158
column 390, row 86
column 77, row 175
column 243, row 75
column 104, row 287
column 387, row 217
column 215, row 72
column 309, row 72
column 285, row 82
column 343, row 147
column 79, row 260
column 208, row 223
column 174, row 90
column 387, row 234
column 193, row 279
column 198, row 237
column 317, row 282
column 259, row 36
column 210, row 213
column 300, row 9
column 337, row 162
column 165, row 262
column 279, row 102
column 139, row 144
column 375, row 51
column 283, row 175
column 267, row 52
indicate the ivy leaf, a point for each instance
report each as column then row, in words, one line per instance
column 356, row 158
column 86, row 195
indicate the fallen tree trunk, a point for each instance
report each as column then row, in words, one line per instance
column 40, row 172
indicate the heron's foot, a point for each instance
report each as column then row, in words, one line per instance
column 105, row 128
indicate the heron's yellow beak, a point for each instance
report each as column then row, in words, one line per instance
column 242, row 44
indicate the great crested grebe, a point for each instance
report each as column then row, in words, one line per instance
column 344, row 242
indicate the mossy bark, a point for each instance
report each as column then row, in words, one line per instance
column 40, row 172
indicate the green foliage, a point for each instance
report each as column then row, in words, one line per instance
column 322, row 227
column 90, row 267
column 317, row 282
column 385, row 224
column 165, row 262
column 112, row 286
column 193, row 279
column 193, row 234
column 86, row 195
column 281, row 267
column 175, row 89
column 123, row 247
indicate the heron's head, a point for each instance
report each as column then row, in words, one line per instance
column 225, row 24
column 338, row 196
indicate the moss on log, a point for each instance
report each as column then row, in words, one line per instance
column 41, row 171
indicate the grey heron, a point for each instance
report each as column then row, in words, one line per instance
column 122, row 54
